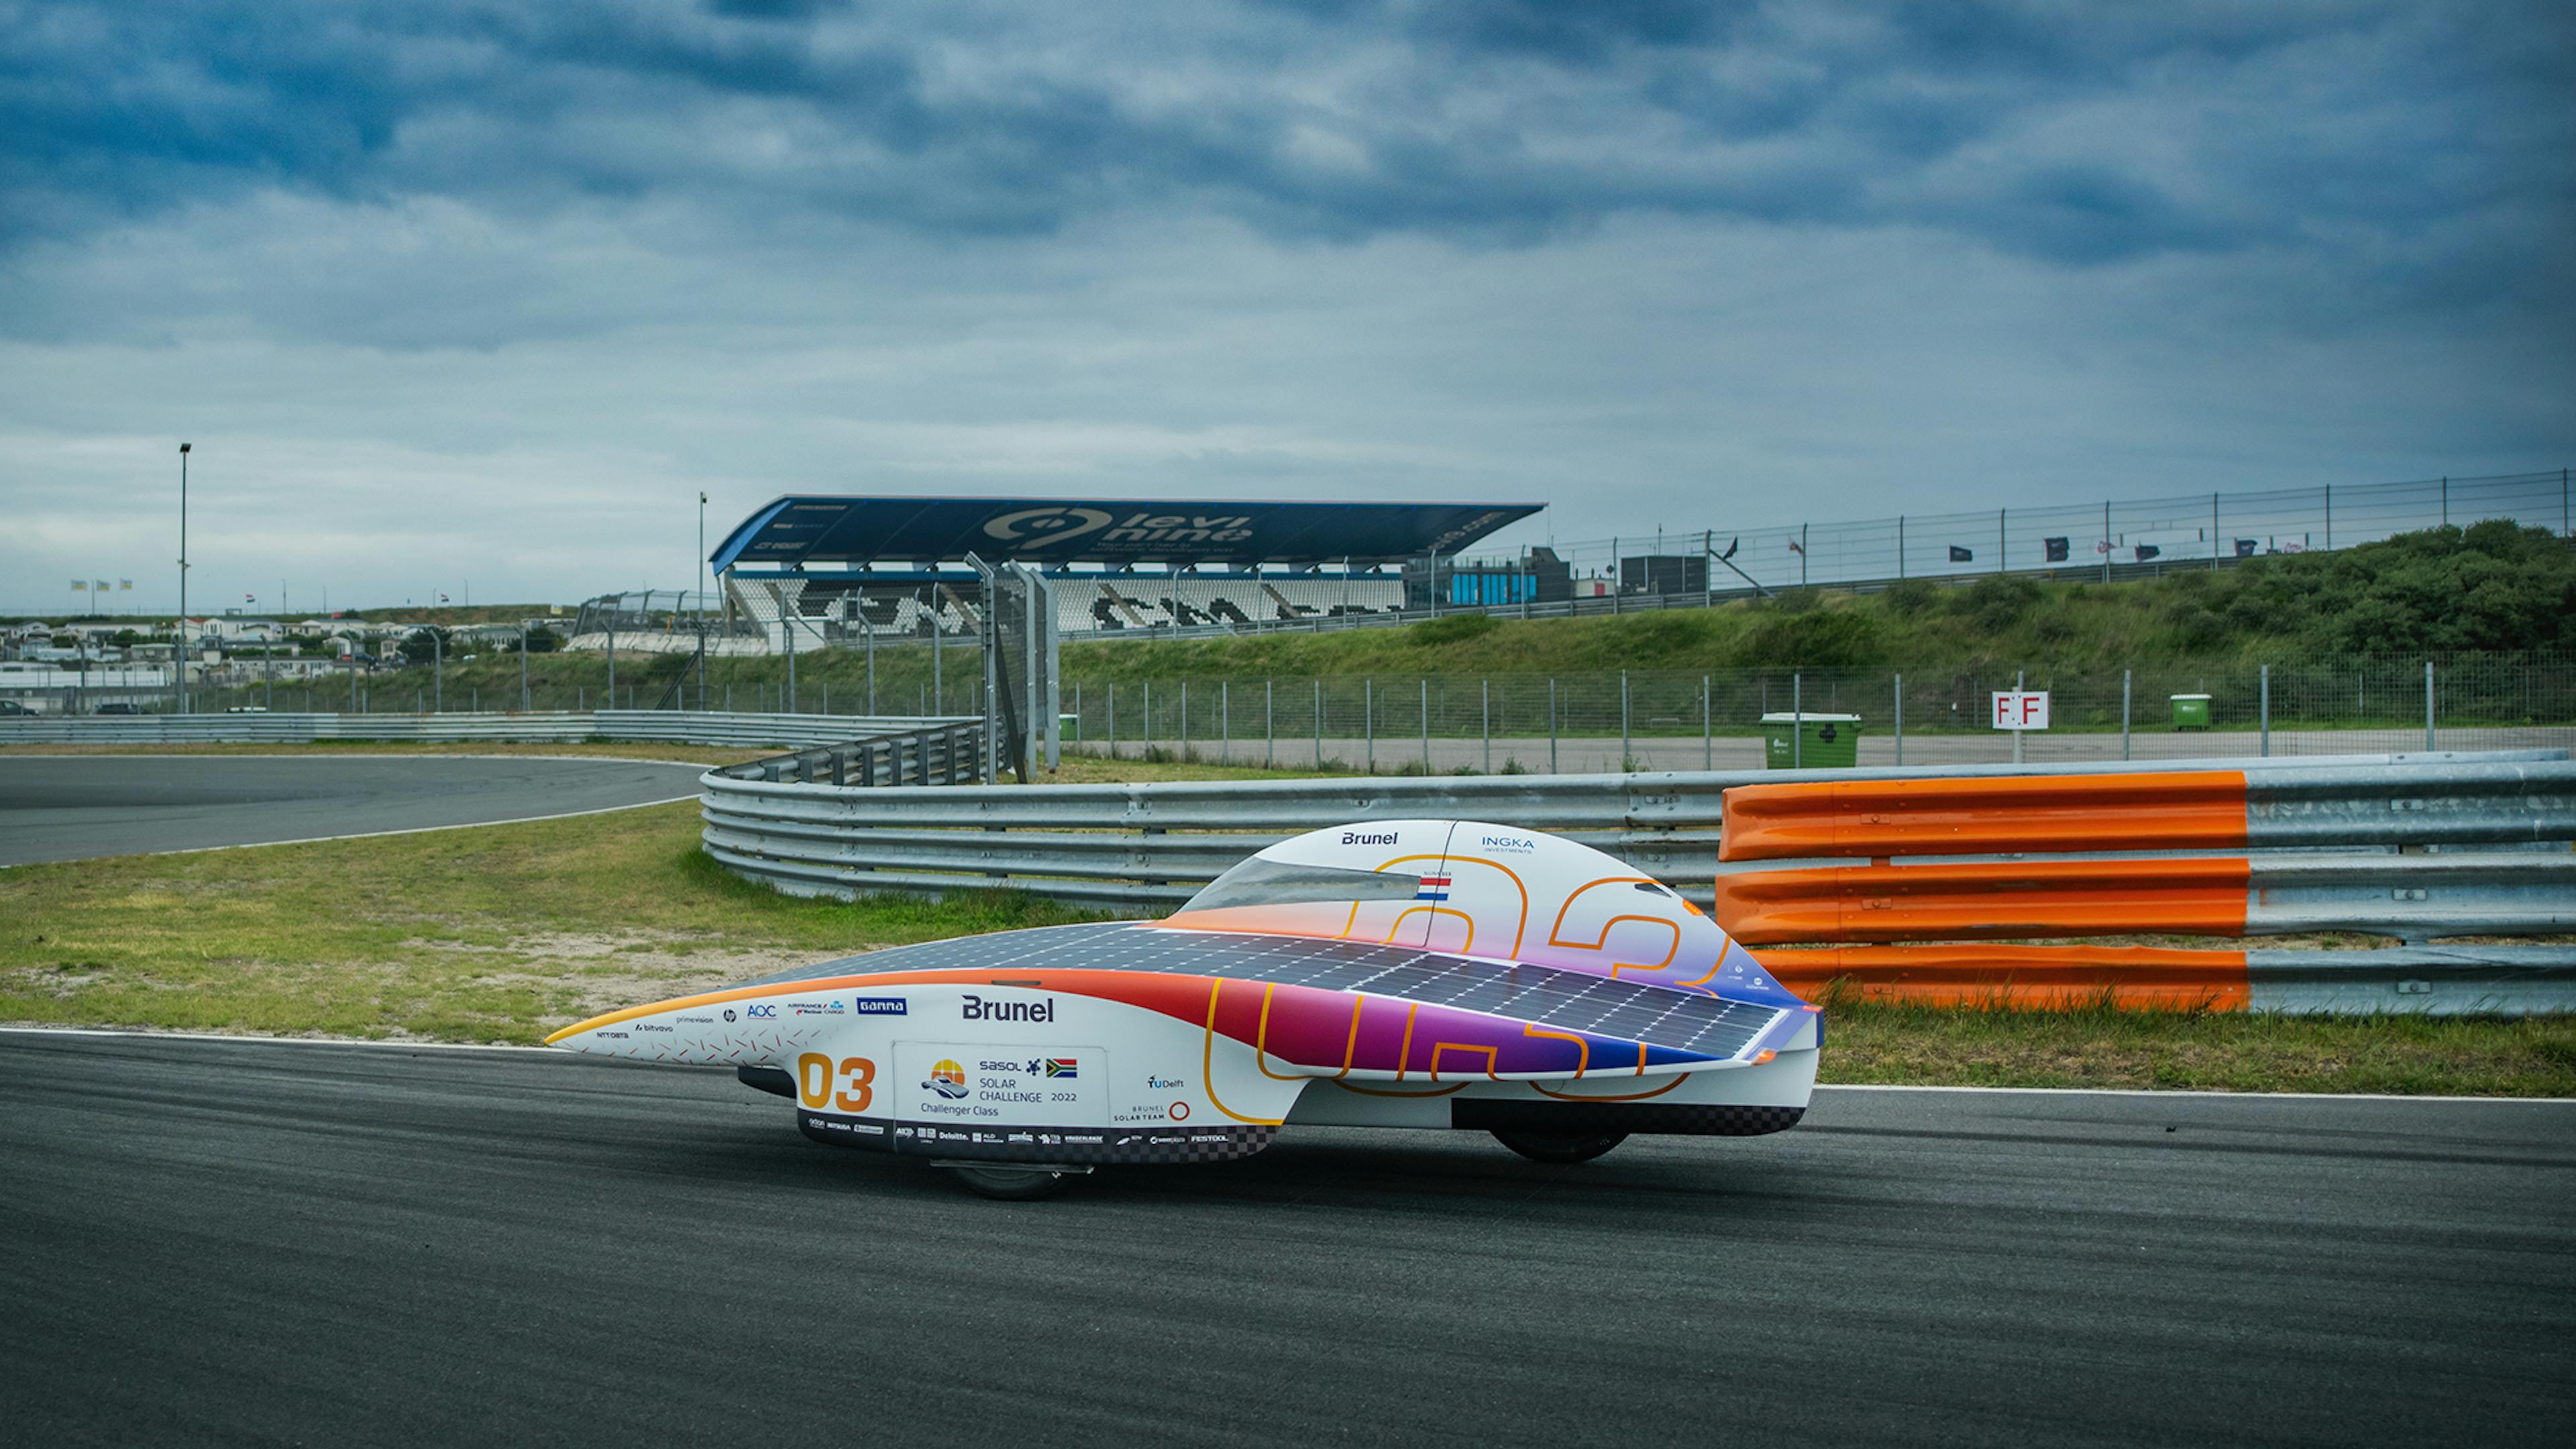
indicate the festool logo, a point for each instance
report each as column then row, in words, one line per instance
column 978, row 1009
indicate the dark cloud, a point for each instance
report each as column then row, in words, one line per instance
column 2078, row 137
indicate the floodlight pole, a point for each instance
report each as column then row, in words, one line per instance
column 702, row 602
column 179, row 650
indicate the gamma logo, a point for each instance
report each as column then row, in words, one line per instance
column 948, row 1079
column 1043, row 526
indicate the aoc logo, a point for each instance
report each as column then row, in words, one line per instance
column 1043, row 526
column 977, row 1008
column 761, row 1013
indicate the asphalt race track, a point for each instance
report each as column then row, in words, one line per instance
column 223, row 1242
column 73, row 807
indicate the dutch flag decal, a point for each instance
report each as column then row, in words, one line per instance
column 1434, row 888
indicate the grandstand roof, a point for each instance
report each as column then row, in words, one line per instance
column 796, row 531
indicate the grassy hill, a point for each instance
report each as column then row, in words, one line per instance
column 2493, row 587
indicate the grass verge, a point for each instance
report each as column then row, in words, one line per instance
column 502, row 933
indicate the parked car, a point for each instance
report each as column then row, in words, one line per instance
column 11, row 706
column 118, row 708
column 248, row 709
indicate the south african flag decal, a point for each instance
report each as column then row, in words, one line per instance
column 1060, row 1067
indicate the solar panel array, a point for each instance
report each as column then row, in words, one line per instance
column 1547, row 996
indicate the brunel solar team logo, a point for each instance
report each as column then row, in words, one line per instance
column 948, row 1079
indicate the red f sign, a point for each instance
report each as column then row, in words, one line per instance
column 2017, row 709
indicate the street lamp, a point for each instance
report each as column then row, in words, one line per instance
column 179, row 651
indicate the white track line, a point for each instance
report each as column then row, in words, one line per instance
column 408, row 830
column 1821, row 1088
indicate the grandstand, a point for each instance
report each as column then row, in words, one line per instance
column 811, row 572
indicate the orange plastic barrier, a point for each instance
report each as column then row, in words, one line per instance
column 2182, row 810
column 2027, row 978
column 1985, row 901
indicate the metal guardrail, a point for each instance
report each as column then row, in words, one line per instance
column 755, row 731
column 936, row 754
column 1149, row 847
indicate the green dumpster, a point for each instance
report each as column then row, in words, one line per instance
column 2190, row 711
column 1068, row 727
column 1831, row 741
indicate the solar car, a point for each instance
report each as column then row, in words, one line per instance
column 1422, row 974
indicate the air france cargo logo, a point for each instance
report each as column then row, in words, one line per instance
column 1434, row 888
column 1047, row 527
column 948, row 1079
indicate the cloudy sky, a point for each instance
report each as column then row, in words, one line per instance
column 450, row 292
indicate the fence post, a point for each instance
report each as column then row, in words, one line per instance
column 2428, row 704
column 1185, row 722
column 1145, row 730
column 1368, row 719
column 1625, row 764
column 1077, row 706
column 1269, row 731
column 1319, row 715
column 1900, row 719
column 1425, row 682
column 2124, row 714
column 1797, row 721
column 1485, row 719
column 1111, row 728
column 1707, row 745
column 1551, row 724
column 2018, row 678
column 2264, row 706
column 1225, row 721
column 871, row 636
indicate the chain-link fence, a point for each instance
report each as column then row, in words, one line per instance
column 1678, row 720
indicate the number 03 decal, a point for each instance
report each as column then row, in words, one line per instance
column 850, row 1087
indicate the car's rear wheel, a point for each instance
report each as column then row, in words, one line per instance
column 1553, row 1147
column 1011, row 1184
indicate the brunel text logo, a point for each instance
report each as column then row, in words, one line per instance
column 977, row 1008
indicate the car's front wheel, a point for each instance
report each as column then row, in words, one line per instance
column 1011, row 1184
column 1553, row 1147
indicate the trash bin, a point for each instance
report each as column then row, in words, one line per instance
column 1068, row 727
column 1832, row 741
column 2190, row 711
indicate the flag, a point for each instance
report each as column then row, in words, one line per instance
column 1730, row 549
column 2102, row 545
column 1434, row 888
column 1962, row 555
column 126, row 584
column 2056, row 549
column 250, row 598
column 2147, row 551
column 80, row 586
column 99, row 586
column 442, row 598
column 1796, row 547
column 2245, row 547
column 1062, row 1067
